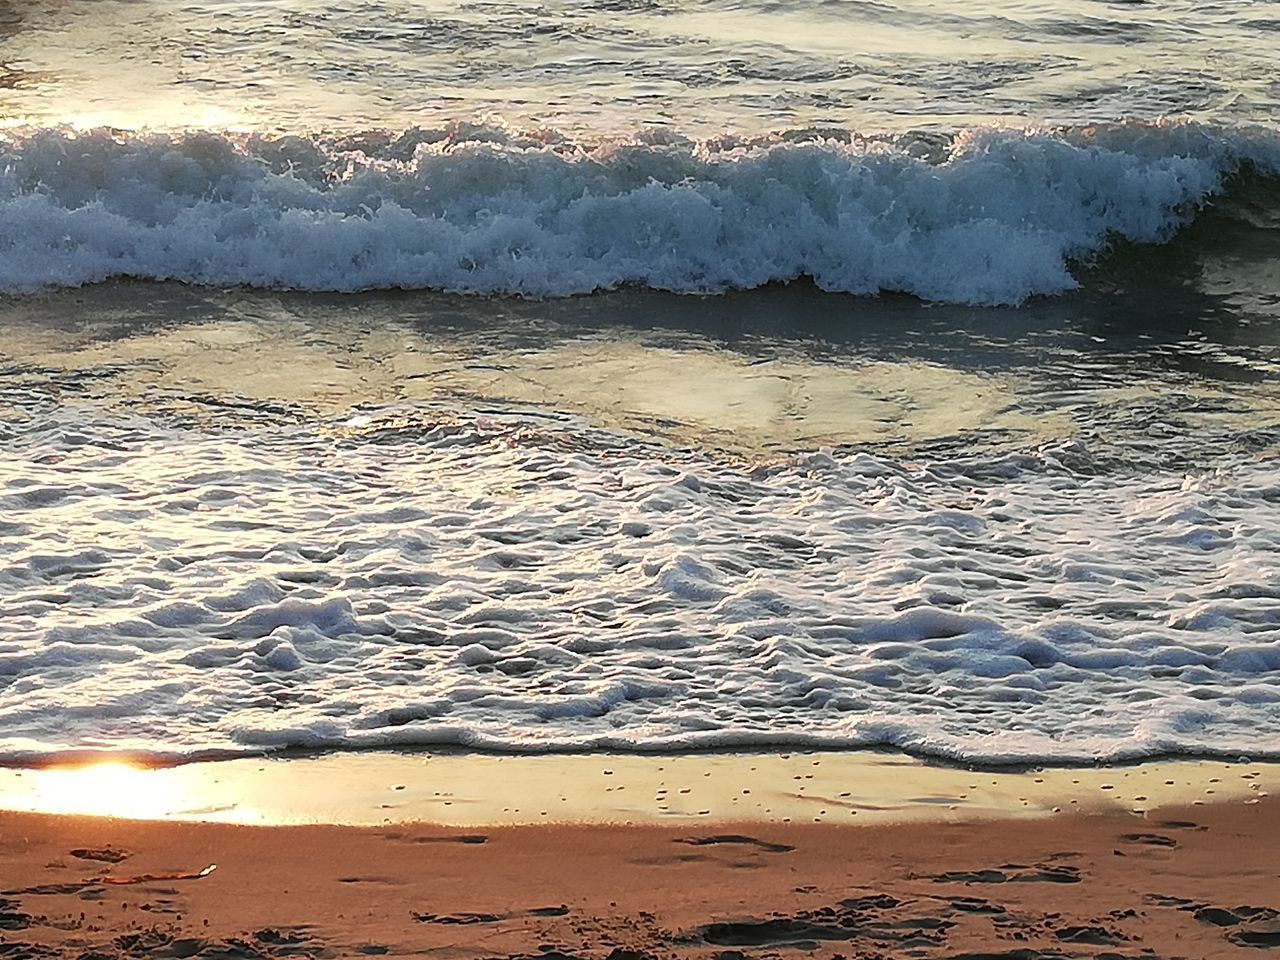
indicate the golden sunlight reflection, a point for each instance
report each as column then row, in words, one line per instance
column 117, row 789
column 471, row 790
column 177, row 115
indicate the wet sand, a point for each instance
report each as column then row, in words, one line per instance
column 467, row 789
column 1196, row 882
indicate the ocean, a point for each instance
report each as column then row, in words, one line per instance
column 640, row 375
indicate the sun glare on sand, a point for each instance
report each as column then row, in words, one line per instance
column 112, row 789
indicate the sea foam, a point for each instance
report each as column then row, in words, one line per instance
column 989, row 216
column 480, row 583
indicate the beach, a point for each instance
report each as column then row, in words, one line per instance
column 639, row 480
column 1195, row 882
column 856, row 855
column 426, row 531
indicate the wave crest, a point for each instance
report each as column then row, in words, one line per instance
column 987, row 217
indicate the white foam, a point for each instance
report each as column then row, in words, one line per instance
column 1000, row 218
column 1018, row 613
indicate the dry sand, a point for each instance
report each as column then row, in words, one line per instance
column 1198, row 882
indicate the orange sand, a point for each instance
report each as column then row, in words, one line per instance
column 1196, row 882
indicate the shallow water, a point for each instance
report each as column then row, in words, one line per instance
column 604, row 68
column 640, row 376
column 237, row 521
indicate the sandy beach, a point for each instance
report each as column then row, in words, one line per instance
column 639, row 480
column 1194, row 882
column 454, row 788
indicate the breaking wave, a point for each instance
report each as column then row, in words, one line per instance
column 988, row 216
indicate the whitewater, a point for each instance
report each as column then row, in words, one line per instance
column 639, row 377
column 229, row 526
column 995, row 217
column 427, row 584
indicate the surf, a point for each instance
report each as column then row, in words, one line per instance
column 986, row 216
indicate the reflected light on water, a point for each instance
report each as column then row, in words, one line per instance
column 117, row 789
column 159, row 116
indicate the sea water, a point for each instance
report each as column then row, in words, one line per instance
column 640, row 376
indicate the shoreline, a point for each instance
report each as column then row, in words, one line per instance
column 1192, row 881
column 458, row 788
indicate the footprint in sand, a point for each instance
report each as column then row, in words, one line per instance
column 1149, row 839
column 464, row 919
column 100, row 855
column 1249, row 926
column 733, row 838
column 1012, row 873
column 1257, row 927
